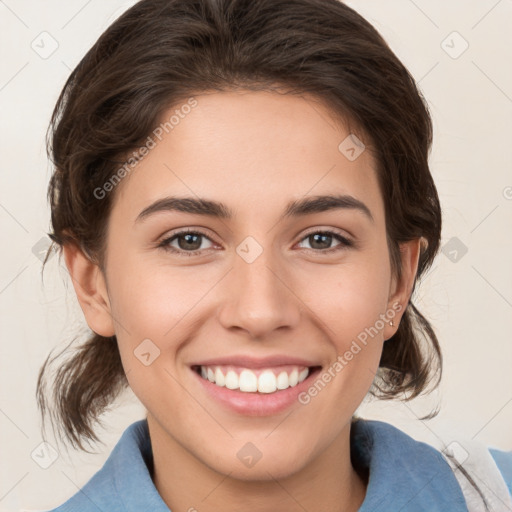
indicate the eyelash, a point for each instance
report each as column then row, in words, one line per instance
column 164, row 244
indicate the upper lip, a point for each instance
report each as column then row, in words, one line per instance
column 256, row 362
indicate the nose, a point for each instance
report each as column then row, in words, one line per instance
column 260, row 297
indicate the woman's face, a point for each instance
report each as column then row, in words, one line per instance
column 262, row 281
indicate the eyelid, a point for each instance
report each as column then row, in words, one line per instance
column 341, row 236
column 342, row 233
column 164, row 240
column 315, row 229
column 345, row 242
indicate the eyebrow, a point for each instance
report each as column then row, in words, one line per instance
column 296, row 208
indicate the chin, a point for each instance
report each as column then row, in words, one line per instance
column 255, row 462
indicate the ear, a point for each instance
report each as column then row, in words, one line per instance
column 401, row 289
column 91, row 290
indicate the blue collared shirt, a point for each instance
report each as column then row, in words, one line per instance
column 404, row 474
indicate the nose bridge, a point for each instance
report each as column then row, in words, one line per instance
column 259, row 301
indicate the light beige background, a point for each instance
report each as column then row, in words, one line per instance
column 469, row 301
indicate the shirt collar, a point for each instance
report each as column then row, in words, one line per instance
column 404, row 474
column 132, row 465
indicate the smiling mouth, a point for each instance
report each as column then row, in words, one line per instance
column 264, row 380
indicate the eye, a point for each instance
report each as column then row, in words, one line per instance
column 190, row 246
column 320, row 239
column 189, row 242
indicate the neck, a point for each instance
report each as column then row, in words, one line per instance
column 185, row 483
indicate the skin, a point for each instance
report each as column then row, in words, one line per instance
column 247, row 149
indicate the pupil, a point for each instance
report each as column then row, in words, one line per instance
column 317, row 240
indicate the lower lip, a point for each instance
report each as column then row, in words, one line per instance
column 256, row 404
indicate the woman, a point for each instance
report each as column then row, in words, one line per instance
column 243, row 200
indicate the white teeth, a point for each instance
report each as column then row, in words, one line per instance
column 231, row 380
column 282, row 380
column 267, row 382
column 247, row 381
column 294, row 378
column 219, row 378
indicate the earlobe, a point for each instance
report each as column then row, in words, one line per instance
column 90, row 288
column 401, row 290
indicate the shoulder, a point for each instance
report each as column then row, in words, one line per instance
column 503, row 461
column 404, row 473
column 124, row 482
column 482, row 473
column 456, row 468
column 98, row 494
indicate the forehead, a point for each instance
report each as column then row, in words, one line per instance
column 248, row 150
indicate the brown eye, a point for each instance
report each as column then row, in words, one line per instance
column 189, row 242
column 321, row 241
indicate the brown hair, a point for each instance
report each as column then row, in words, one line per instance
column 160, row 52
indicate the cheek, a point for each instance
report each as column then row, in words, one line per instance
column 149, row 301
column 348, row 298
column 351, row 311
column 156, row 308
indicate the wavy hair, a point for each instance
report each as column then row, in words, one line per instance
column 160, row 52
